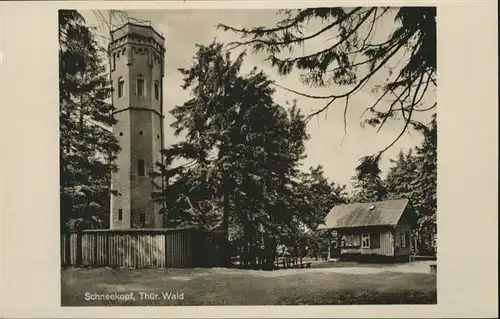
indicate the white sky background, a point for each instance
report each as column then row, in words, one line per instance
column 327, row 146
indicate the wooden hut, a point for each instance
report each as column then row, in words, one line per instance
column 374, row 231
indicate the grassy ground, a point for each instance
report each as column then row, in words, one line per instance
column 246, row 287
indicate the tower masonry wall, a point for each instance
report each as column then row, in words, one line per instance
column 137, row 61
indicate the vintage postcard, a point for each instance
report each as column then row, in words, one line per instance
column 250, row 156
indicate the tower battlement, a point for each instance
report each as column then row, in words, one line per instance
column 137, row 29
column 137, row 69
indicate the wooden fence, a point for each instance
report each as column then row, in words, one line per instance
column 143, row 248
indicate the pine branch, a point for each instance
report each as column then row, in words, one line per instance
column 236, row 44
column 331, row 48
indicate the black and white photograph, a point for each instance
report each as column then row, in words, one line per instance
column 248, row 157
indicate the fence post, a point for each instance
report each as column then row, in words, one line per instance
column 95, row 262
column 67, row 248
column 79, row 259
column 227, row 249
column 167, row 238
column 107, row 252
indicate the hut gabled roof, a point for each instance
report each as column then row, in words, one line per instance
column 383, row 213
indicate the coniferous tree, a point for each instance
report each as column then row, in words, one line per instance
column 427, row 173
column 368, row 185
column 356, row 50
column 403, row 176
column 240, row 150
column 87, row 148
column 315, row 196
column 414, row 176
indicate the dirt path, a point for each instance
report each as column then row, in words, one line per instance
column 421, row 267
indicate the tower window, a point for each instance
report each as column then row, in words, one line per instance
column 120, row 214
column 121, row 133
column 142, row 219
column 141, row 168
column 114, row 61
column 141, row 133
column 157, row 90
column 140, row 86
column 121, row 85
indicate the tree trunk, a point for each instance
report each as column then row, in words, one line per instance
column 225, row 222
column 252, row 250
column 246, row 242
column 294, row 253
column 269, row 254
column 329, row 250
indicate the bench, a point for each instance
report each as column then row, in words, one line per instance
column 285, row 263
column 413, row 258
column 433, row 268
column 304, row 265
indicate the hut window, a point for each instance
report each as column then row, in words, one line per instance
column 157, row 91
column 351, row 240
column 121, row 84
column 141, row 168
column 375, row 240
column 120, row 214
column 140, row 86
column 356, row 240
column 365, row 241
column 404, row 239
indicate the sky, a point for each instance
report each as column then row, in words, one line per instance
column 328, row 146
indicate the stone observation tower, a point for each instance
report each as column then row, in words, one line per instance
column 137, row 69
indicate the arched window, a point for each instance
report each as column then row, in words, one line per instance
column 140, row 85
column 121, row 86
column 157, row 90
